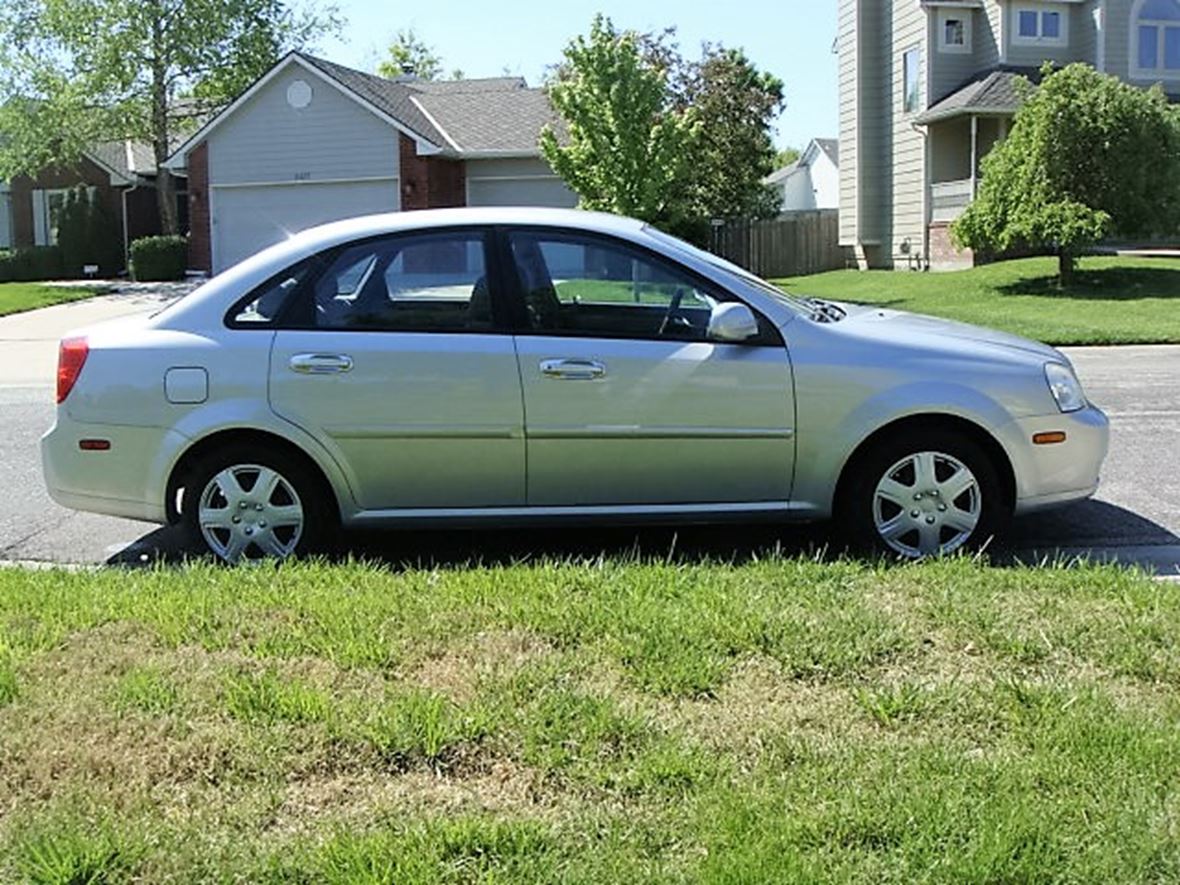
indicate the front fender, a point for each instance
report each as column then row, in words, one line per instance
column 828, row 437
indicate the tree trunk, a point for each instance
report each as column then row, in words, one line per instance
column 165, row 186
column 1065, row 268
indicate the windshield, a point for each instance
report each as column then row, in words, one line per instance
column 728, row 266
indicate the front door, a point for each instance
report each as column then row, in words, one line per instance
column 399, row 366
column 627, row 402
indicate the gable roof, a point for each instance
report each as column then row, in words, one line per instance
column 831, row 147
column 493, row 116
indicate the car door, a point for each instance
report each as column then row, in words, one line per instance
column 397, row 361
column 627, row 401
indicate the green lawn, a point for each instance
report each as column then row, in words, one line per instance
column 19, row 297
column 1113, row 301
column 601, row 722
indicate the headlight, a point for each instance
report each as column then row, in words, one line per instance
column 1066, row 387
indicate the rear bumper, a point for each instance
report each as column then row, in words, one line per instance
column 122, row 481
column 1052, row 475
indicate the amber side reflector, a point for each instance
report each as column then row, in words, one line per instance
column 94, row 445
column 1049, row 439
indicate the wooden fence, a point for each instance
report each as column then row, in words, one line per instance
column 794, row 244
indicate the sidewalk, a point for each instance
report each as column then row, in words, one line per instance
column 28, row 341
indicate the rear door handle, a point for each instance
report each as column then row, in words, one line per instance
column 573, row 370
column 321, row 363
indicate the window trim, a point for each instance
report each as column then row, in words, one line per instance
column 1135, row 71
column 769, row 334
column 1041, row 10
column 966, row 16
column 915, row 49
column 322, row 261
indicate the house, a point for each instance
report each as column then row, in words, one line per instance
column 122, row 174
column 313, row 141
column 812, row 181
column 928, row 87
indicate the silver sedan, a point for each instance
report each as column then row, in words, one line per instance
column 521, row 366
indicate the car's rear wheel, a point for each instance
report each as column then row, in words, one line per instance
column 243, row 506
column 928, row 493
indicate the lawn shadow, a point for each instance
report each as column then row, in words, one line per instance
column 1091, row 530
column 1105, row 284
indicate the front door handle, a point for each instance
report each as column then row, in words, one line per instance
column 573, row 370
column 321, row 363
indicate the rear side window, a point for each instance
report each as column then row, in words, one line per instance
column 434, row 282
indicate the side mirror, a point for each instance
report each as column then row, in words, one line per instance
column 732, row 322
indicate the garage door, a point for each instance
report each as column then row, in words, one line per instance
column 538, row 191
column 247, row 219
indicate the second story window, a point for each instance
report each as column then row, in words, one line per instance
column 911, row 65
column 1157, row 34
column 954, row 31
column 1041, row 25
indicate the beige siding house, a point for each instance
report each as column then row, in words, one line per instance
column 928, row 87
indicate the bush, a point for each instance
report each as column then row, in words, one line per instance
column 159, row 258
column 88, row 234
column 31, row 265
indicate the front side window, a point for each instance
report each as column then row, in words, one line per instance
column 911, row 64
column 598, row 288
column 1040, row 26
column 431, row 282
column 1157, row 33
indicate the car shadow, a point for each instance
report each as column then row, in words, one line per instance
column 1106, row 284
column 1092, row 530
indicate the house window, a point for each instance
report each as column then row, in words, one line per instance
column 5, row 217
column 47, row 206
column 1039, row 26
column 1157, row 35
column 954, row 31
column 911, row 64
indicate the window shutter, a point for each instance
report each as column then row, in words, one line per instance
column 40, row 219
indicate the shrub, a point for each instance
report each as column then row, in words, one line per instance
column 31, row 264
column 159, row 258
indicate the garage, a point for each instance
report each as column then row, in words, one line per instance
column 247, row 219
column 531, row 191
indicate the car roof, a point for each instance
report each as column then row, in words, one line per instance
column 423, row 219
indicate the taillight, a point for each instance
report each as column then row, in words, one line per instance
column 71, row 357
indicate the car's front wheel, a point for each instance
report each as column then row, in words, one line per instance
column 929, row 493
column 242, row 505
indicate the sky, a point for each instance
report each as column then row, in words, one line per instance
column 790, row 38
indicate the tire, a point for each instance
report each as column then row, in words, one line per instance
column 926, row 492
column 225, row 514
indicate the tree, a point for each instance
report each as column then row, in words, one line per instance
column 786, row 157
column 629, row 147
column 76, row 72
column 408, row 55
column 1088, row 156
column 736, row 105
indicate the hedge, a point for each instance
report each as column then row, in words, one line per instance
column 159, row 258
column 31, row 264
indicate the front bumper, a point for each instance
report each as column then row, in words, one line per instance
column 1053, row 475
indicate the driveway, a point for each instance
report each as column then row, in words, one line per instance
column 1135, row 518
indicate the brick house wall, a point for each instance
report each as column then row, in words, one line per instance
column 86, row 172
column 200, row 249
column 429, row 182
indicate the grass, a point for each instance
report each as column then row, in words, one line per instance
column 782, row 720
column 1112, row 301
column 20, row 297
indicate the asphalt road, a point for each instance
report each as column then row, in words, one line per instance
column 1134, row 519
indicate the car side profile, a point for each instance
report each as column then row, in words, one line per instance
column 468, row 367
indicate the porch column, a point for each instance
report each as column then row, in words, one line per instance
column 974, row 154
